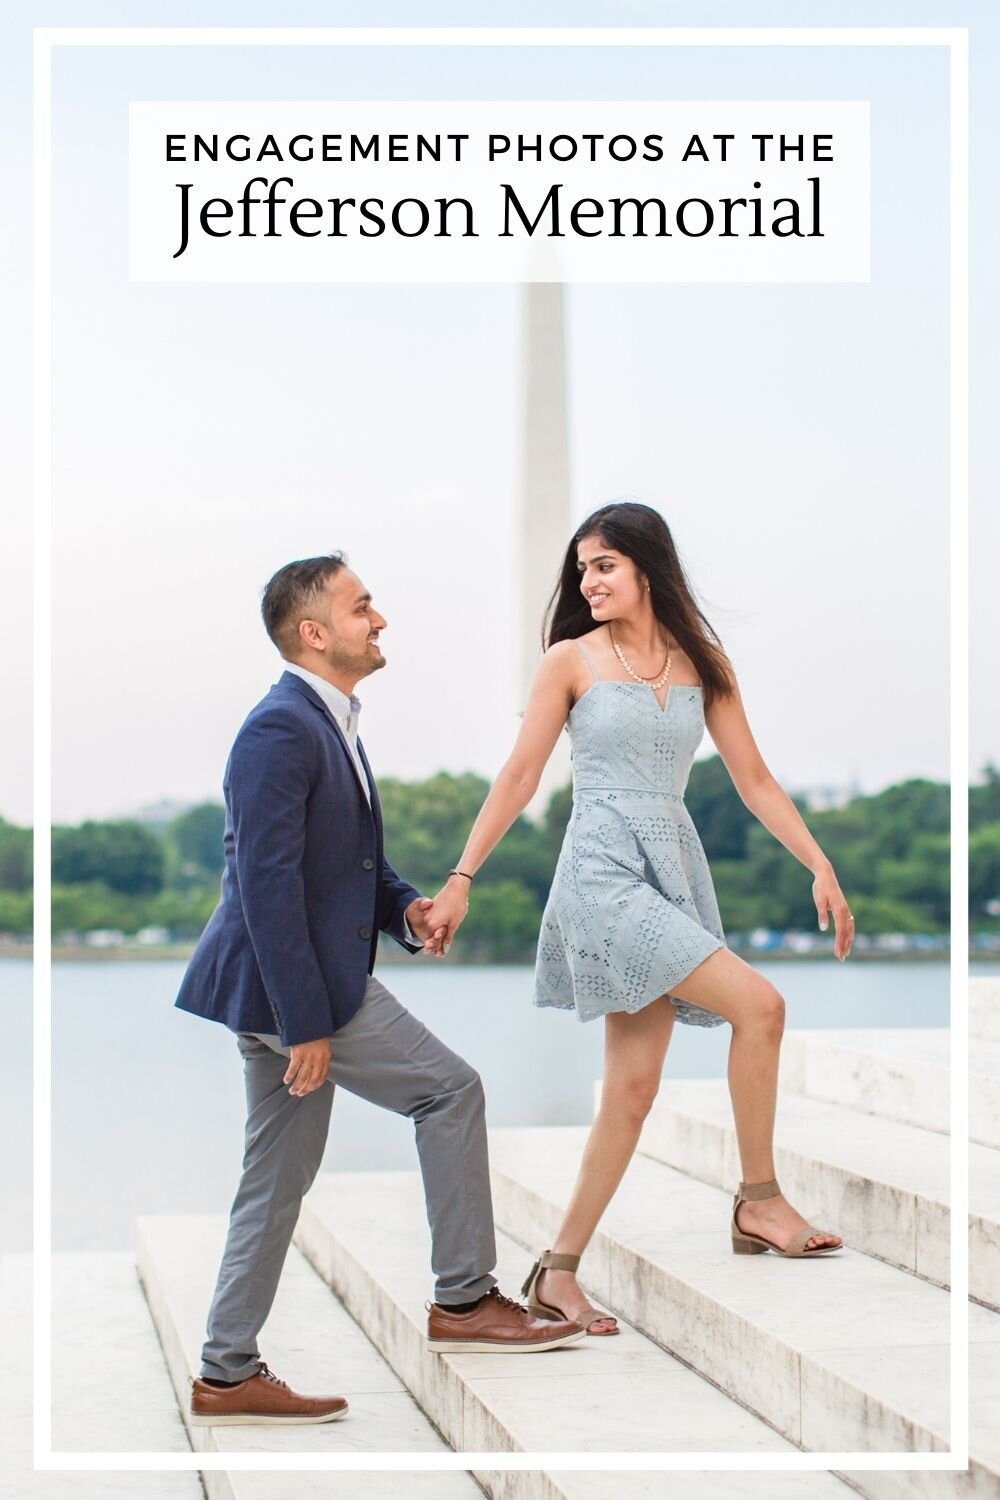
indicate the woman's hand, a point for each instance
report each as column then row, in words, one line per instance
column 447, row 912
column 829, row 897
column 418, row 917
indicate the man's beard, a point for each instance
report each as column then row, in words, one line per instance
column 361, row 664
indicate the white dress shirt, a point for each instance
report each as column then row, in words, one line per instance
column 345, row 712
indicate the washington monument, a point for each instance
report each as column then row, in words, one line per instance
column 543, row 510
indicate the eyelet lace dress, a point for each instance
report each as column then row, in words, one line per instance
column 632, row 909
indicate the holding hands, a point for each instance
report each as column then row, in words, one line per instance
column 436, row 922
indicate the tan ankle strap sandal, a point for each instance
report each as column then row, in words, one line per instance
column 754, row 1244
column 549, row 1260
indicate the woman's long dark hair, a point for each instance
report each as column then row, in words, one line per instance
column 643, row 535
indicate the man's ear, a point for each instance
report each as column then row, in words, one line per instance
column 311, row 633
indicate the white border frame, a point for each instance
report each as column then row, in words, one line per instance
column 955, row 39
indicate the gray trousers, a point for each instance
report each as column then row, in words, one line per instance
column 387, row 1056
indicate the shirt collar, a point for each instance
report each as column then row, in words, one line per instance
column 342, row 707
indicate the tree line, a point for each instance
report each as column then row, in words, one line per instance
column 890, row 850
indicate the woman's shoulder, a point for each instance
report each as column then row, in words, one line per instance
column 563, row 668
column 570, row 655
column 569, row 649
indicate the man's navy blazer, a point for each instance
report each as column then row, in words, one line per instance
column 306, row 888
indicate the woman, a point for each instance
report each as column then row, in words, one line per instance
column 631, row 930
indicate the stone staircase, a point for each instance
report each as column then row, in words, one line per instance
column 111, row 1391
column 718, row 1353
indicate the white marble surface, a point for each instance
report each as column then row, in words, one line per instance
column 897, row 1073
column 984, row 1224
column 984, row 1092
column 881, row 1185
column 750, row 1323
column 598, row 1395
column 310, row 1341
column 982, row 1480
column 692, row 1485
column 98, row 1305
column 92, row 1374
column 984, row 1009
column 974, row 1483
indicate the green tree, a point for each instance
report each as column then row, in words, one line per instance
column 427, row 823
column 878, row 914
column 720, row 816
column 903, row 811
column 984, row 866
column 15, row 857
column 922, row 880
column 984, row 798
column 126, row 857
column 16, row 908
column 198, row 835
column 502, row 925
column 184, row 913
column 85, row 906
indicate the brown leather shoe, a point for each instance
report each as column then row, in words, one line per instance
column 259, row 1401
column 496, row 1325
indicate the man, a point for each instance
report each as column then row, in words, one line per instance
column 286, row 962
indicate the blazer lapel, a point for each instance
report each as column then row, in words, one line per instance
column 376, row 805
column 290, row 679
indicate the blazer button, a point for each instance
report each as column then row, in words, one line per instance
column 367, row 864
column 364, row 932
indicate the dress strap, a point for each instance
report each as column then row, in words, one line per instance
column 586, row 656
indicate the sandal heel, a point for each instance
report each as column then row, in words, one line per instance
column 755, row 1244
column 742, row 1246
column 550, row 1260
column 539, row 1310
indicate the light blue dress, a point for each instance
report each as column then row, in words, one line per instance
column 632, row 908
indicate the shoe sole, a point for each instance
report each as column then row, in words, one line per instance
column 253, row 1419
column 501, row 1346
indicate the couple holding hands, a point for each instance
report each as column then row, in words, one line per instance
column 631, row 933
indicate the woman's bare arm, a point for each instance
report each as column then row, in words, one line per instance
column 549, row 702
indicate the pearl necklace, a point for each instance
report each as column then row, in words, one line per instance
column 646, row 681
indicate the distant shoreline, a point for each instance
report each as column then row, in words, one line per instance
column 183, row 951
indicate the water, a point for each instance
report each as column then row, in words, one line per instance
column 148, row 1102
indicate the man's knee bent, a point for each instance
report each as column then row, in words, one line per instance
column 462, row 1085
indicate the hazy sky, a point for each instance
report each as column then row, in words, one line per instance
column 795, row 438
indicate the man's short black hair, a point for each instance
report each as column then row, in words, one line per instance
column 292, row 593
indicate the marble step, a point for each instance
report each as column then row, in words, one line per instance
column 984, row 1092
column 984, row 1225
column 897, row 1072
column 984, row 1009
column 310, row 1341
column 844, row 1353
column 881, row 1185
column 366, row 1234
column 639, row 1484
column 110, row 1389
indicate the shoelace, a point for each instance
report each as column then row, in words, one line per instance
column 270, row 1375
column 502, row 1301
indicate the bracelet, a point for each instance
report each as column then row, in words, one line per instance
column 464, row 876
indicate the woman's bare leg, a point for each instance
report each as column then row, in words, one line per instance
column 756, row 1012
column 634, row 1048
